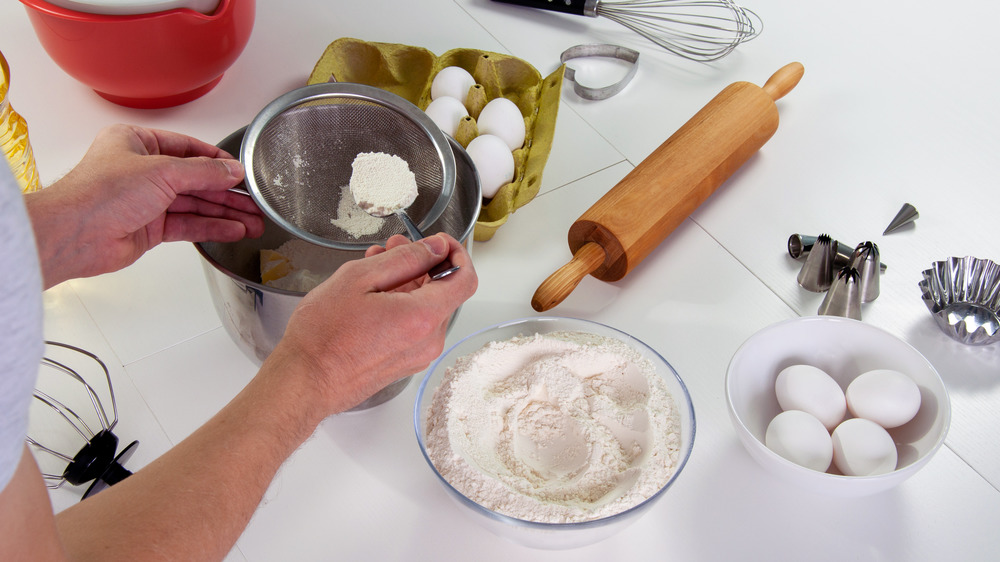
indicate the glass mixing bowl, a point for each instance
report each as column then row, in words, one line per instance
column 554, row 535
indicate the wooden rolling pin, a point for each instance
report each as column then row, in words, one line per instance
column 638, row 213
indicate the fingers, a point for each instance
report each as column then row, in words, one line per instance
column 459, row 285
column 199, row 173
column 204, row 201
column 405, row 262
column 169, row 143
column 394, row 240
column 143, row 141
column 199, row 176
column 182, row 162
column 193, row 219
column 194, row 228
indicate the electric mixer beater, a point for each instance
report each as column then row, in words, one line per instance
column 80, row 408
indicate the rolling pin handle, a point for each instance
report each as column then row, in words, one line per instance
column 560, row 284
column 782, row 81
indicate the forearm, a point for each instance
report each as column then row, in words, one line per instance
column 59, row 230
column 27, row 528
column 194, row 501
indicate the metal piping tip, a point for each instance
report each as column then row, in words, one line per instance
column 816, row 274
column 907, row 214
column 799, row 246
column 844, row 296
column 866, row 261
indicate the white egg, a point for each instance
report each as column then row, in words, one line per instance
column 447, row 113
column 863, row 448
column 886, row 397
column 800, row 438
column 493, row 161
column 502, row 118
column 453, row 82
column 810, row 389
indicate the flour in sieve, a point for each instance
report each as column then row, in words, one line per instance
column 352, row 219
column 554, row 428
column 382, row 183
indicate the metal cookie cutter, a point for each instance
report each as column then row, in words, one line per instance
column 599, row 50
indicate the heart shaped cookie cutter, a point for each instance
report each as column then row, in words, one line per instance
column 600, row 50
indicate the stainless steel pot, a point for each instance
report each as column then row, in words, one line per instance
column 255, row 315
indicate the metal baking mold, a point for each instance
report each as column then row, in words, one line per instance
column 963, row 295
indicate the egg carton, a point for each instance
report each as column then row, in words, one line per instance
column 408, row 71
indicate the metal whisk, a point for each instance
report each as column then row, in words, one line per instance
column 699, row 30
column 78, row 407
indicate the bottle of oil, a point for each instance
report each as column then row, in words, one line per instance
column 14, row 137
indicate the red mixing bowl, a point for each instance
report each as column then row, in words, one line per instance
column 147, row 61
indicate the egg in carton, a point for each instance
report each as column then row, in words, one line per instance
column 409, row 72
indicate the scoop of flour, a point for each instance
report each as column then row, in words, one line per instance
column 382, row 183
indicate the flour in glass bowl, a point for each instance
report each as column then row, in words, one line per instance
column 554, row 428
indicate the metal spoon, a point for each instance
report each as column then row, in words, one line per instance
column 440, row 270
column 381, row 195
column 385, row 204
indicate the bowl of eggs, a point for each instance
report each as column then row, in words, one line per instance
column 836, row 406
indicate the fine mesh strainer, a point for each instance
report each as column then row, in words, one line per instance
column 298, row 153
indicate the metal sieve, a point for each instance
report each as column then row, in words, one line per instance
column 298, row 153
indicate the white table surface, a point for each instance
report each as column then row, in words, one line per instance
column 897, row 105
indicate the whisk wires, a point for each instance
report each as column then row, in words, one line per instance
column 61, row 411
column 699, row 30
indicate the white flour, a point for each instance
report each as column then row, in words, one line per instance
column 352, row 219
column 554, row 428
column 296, row 265
column 382, row 183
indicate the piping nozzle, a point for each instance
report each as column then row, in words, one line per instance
column 799, row 246
column 844, row 296
column 866, row 261
column 816, row 274
column 907, row 214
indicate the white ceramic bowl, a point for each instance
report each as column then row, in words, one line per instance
column 553, row 535
column 844, row 348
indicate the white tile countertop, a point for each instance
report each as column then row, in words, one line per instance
column 896, row 106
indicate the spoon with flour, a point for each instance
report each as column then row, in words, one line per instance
column 382, row 185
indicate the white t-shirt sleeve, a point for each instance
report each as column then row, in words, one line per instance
column 21, row 344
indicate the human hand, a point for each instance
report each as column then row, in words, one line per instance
column 395, row 241
column 372, row 322
column 134, row 189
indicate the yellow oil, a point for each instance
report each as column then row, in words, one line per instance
column 14, row 137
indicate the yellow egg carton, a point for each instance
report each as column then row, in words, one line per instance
column 408, row 72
